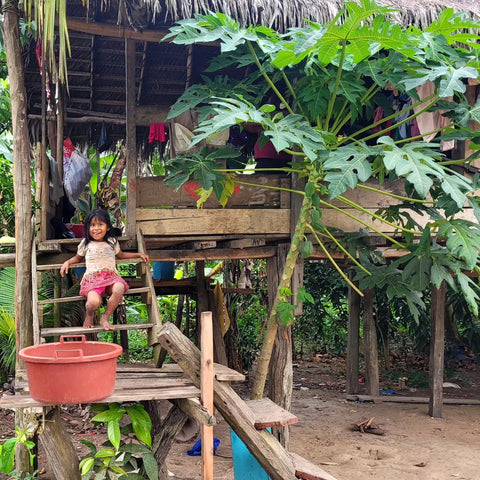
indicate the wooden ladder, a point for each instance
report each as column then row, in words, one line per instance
column 146, row 292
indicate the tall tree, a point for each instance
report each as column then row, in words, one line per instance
column 329, row 79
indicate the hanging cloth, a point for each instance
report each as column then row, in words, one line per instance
column 157, row 132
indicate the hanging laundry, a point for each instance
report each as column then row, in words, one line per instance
column 403, row 131
column 157, row 133
column 377, row 117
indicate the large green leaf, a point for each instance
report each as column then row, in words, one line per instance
column 346, row 167
column 141, row 423
column 463, row 239
column 415, row 162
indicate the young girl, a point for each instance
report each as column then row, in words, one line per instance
column 99, row 248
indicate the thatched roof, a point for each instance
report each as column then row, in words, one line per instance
column 282, row 14
column 96, row 68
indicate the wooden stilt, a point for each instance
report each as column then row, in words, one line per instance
column 280, row 370
column 371, row 349
column 168, row 429
column 353, row 341
column 437, row 350
column 61, row 454
column 206, row 389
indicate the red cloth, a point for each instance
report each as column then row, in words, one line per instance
column 68, row 148
column 157, row 132
column 377, row 116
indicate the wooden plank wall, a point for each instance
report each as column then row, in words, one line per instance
column 254, row 210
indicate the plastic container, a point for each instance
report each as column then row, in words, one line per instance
column 163, row 270
column 245, row 465
column 69, row 372
column 78, row 229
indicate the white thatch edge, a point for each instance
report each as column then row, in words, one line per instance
column 281, row 14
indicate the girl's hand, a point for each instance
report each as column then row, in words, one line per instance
column 144, row 257
column 64, row 268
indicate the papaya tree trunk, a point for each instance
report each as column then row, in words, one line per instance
column 272, row 325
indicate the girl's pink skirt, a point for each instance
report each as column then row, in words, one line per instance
column 100, row 280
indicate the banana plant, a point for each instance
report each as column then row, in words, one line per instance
column 329, row 79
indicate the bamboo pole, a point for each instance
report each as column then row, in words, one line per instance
column 206, row 389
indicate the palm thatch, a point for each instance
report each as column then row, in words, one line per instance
column 280, row 14
column 96, row 66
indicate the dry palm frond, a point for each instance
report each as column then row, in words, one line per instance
column 281, row 15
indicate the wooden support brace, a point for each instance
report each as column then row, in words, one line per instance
column 307, row 470
column 193, row 408
column 61, row 454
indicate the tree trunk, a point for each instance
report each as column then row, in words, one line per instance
column 272, row 326
column 22, row 190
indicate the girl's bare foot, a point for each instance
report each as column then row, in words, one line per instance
column 106, row 324
column 88, row 322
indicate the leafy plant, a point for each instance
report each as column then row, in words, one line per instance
column 127, row 454
column 7, row 453
column 329, row 79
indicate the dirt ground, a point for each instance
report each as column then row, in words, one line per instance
column 413, row 447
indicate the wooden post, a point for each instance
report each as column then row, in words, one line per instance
column 437, row 350
column 131, row 141
column 370, row 338
column 22, row 185
column 61, row 454
column 202, row 294
column 353, row 341
column 206, row 389
column 280, row 370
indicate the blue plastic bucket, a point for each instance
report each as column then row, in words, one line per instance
column 245, row 465
column 163, row 270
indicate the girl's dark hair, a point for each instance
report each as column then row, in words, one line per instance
column 103, row 216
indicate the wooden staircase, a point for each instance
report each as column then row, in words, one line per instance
column 146, row 291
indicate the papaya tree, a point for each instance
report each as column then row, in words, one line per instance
column 326, row 81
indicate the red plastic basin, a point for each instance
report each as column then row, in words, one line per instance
column 71, row 371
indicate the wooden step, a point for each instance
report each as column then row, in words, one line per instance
column 268, row 414
column 222, row 372
column 54, row 332
column 76, row 298
column 307, row 470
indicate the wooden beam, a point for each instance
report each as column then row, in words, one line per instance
column 194, row 409
column 437, row 350
column 402, row 399
column 107, row 30
column 215, row 254
column 57, row 445
column 268, row 414
column 370, row 340
column 353, row 343
column 131, row 140
column 169, row 221
column 307, row 470
column 206, row 389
